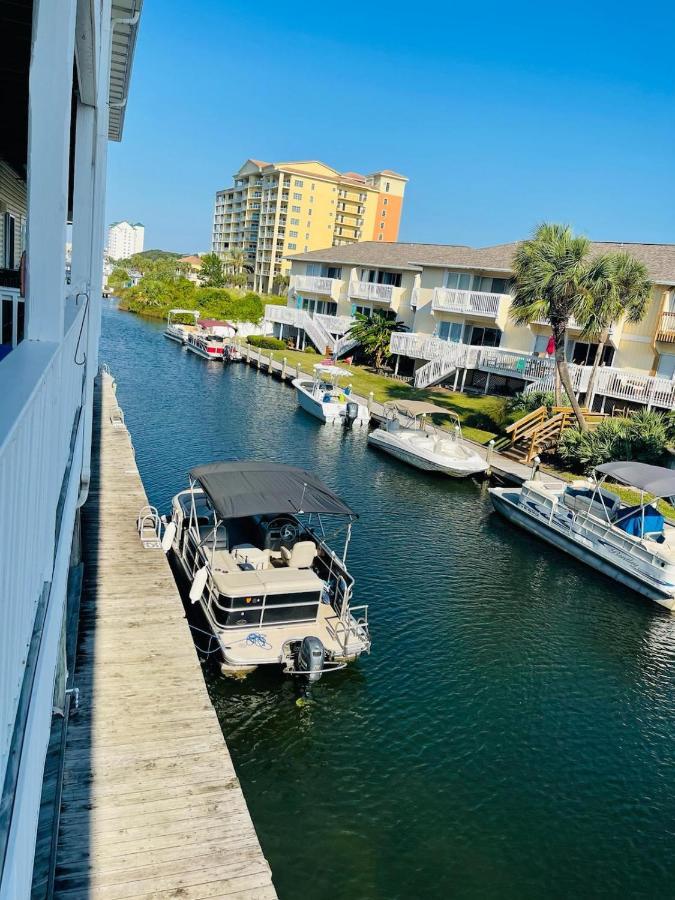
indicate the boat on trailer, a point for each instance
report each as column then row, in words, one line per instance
column 633, row 544
column 322, row 396
column 251, row 539
column 407, row 435
column 179, row 331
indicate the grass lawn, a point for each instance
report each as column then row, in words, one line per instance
column 482, row 418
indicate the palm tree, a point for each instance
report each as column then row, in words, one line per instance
column 234, row 263
column 629, row 297
column 557, row 279
column 374, row 333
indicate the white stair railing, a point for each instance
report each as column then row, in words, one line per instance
column 318, row 335
column 442, row 366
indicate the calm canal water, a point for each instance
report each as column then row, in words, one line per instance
column 511, row 735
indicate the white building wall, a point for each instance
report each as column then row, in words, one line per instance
column 125, row 239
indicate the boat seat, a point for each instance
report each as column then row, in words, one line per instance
column 300, row 556
column 251, row 557
column 221, row 560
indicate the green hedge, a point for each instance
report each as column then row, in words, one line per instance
column 642, row 436
column 265, row 343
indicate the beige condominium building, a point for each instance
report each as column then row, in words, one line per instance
column 455, row 301
column 274, row 210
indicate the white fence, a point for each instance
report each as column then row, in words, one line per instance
column 41, row 385
column 367, row 290
column 476, row 302
column 313, row 283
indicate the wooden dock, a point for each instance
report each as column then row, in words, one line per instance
column 502, row 467
column 151, row 805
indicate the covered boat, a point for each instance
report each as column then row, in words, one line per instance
column 251, row 539
column 407, row 435
column 632, row 543
column 179, row 331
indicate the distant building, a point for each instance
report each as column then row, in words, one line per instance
column 194, row 263
column 125, row 239
column 278, row 209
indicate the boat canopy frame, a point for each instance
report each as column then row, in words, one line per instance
column 656, row 481
column 415, row 409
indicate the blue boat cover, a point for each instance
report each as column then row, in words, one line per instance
column 632, row 521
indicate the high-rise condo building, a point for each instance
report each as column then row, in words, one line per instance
column 125, row 239
column 278, row 209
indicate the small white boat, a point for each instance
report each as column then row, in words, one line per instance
column 208, row 346
column 323, row 397
column 178, row 331
column 251, row 539
column 407, row 435
column 634, row 545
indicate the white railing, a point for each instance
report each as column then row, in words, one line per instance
column 335, row 324
column 283, row 315
column 416, row 345
column 41, row 384
column 622, row 384
column 300, row 318
column 470, row 302
column 314, row 283
column 515, row 363
column 344, row 345
column 367, row 290
column 452, row 357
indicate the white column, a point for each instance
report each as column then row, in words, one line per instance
column 83, row 199
column 50, row 93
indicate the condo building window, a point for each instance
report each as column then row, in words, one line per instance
column 379, row 237
column 291, row 246
column 666, row 367
column 295, row 209
column 450, row 331
column 295, row 221
column 377, row 276
column 362, row 198
column 385, row 201
column 386, row 186
column 485, row 337
column 466, row 281
column 311, row 199
column 384, row 213
column 292, row 233
column 298, row 183
column 297, row 196
column 381, row 225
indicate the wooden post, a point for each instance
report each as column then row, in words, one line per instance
column 490, row 452
column 50, row 92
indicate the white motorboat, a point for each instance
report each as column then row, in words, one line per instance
column 635, row 545
column 406, row 434
column 179, row 331
column 250, row 538
column 322, row 396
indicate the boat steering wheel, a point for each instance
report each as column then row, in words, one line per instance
column 287, row 531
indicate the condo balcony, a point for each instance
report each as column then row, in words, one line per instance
column 474, row 303
column 377, row 293
column 666, row 328
column 315, row 284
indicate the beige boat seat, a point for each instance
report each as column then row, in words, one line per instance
column 300, row 556
column 220, row 560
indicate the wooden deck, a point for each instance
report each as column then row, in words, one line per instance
column 151, row 805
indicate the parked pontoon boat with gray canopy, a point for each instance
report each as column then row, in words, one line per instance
column 634, row 544
column 251, row 539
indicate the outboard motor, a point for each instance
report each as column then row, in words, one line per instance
column 351, row 414
column 310, row 658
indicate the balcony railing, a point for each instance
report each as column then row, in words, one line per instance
column 469, row 302
column 368, row 290
column 666, row 329
column 315, row 284
column 335, row 324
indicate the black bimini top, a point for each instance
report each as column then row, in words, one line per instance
column 241, row 488
column 653, row 479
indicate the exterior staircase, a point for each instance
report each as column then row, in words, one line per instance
column 441, row 367
column 537, row 432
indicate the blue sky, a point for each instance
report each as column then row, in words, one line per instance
column 502, row 114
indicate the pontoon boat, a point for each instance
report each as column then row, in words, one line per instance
column 633, row 544
column 250, row 537
column 406, row 434
column 177, row 331
column 323, row 397
column 208, row 346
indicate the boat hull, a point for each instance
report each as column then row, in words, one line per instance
column 554, row 536
column 427, row 463
column 204, row 354
column 174, row 337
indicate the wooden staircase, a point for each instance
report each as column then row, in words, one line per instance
column 537, row 432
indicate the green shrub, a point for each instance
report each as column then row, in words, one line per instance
column 265, row 343
column 641, row 436
column 526, row 403
column 309, row 349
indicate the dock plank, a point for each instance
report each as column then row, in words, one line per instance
column 151, row 805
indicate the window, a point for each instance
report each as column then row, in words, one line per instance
column 540, row 343
column 295, row 221
column 485, row 337
column 364, row 310
column 381, row 225
column 384, row 213
column 311, row 199
column 583, row 353
column 297, row 196
column 298, row 183
column 386, row 186
column 313, row 186
column 385, row 201
column 309, row 212
column 379, row 237
column 307, row 236
column 292, row 233
column 9, row 254
column 295, row 209
column 666, row 368
column 291, row 246
column 450, row 331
